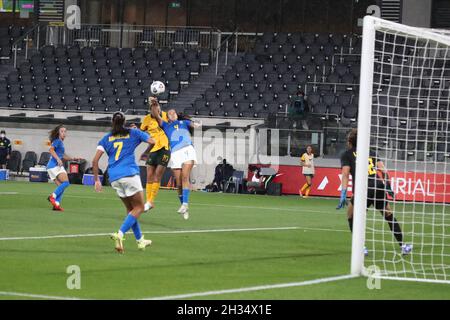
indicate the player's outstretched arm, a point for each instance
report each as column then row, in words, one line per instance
column 69, row 158
column 98, row 184
column 154, row 105
column 195, row 124
column 151, row 141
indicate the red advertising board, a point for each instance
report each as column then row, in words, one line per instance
column 418, row 186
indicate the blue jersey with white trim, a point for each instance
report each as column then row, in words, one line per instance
column 58, row 146
column 178, row 133
column 120, row 151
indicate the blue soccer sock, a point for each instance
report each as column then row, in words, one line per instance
column 59, row 198
column 137, row 230
column 186, row 196
column 128, row 223
column 180, row 196
column 60, row 189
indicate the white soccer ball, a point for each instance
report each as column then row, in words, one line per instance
column 157, row 88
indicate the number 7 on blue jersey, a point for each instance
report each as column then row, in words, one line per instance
column 118, row 146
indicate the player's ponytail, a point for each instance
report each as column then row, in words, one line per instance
column 183, row 116
column 54, row 134
column 118, row 125
column 353, row 137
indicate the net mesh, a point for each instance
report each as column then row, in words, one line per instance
column 410, row 126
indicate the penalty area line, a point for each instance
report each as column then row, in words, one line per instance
column 255, row 288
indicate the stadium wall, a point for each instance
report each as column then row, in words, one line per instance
column 407, row 186
column 249, row 16
column 417, row 13
column 80, row 142
column 238, row 146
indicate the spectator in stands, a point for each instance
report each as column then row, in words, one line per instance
column 298, row 108
column 222, row 174
column 5, row 149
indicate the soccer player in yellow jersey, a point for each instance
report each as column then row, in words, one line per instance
column 157, row 159
column 376, row 189
column 307, row 162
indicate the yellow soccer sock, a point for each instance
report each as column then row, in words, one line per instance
column 304, row 187
column 307, row 191
column 155, row 189
column 149, row 191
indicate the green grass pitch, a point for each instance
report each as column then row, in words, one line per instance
column 242, row 241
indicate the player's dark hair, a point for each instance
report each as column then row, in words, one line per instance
column 183, row 116
column 353, row 137
column 54, row 134
column 312, row 149
column 118, row 125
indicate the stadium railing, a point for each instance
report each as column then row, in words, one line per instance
column 224, row 45
column 31, row 41
column 131, row 36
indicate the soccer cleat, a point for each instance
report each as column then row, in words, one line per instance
column 184, row 207
column 118, row 239
column 186, row 215
column 52, row 200
column 366, row 252
column 142, row 244
column 300, row 193
column 148, row 206
column 406, row 249
column 58, row 208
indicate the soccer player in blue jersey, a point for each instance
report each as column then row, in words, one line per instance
column 119, row 144
column 183, row 156
column 55, row 166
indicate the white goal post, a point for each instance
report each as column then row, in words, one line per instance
column 404, row 120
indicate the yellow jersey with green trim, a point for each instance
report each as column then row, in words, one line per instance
column 151, row 125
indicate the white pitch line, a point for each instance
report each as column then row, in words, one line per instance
column 8, row 192
column 196, row 294
column 302, row 210
column 84, row 235
column 38, row 296
column 113, row 197
column 256, row 288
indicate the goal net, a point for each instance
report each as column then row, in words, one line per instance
column 404, row 121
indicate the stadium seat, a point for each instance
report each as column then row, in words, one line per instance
column 14, row 162
column 30, row 160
